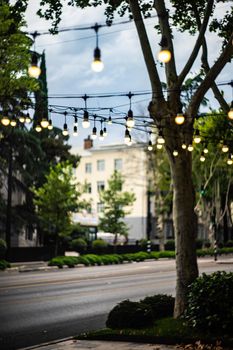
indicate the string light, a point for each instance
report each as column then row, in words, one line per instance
column 50, row 126
column 229, row 160
column 97, row 65
column 65, row 131
column 225, row 148
column 160, row 138
column 202, row 157
column 105, row 130
column 175, row 153
column 94, row 130
column 150, row 147
column 190, row 148
column 129, row 119
column 179, row 119
column 38, row 128
column 75, row 130
column 101, row 137
column 197, row 137
column 13, row 121
column 127, row 136
column 33, row 70
column 230, row 112
column 22, row 118
column 85, row 122
column 183, row 146
column 5, row 120
column 159, row 146
column 28, row 119
column 205, row 150
column 44, row 123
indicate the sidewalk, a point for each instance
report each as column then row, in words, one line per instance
column 73, row 344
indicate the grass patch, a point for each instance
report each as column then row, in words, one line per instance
column 164, row 331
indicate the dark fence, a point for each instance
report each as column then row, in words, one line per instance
column 23, row 254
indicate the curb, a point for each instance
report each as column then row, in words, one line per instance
column 53, row 342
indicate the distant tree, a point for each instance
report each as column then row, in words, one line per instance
column 56, row 200
column 116, row 206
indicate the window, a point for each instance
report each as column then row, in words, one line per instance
column 100, row 207
column 100, row 165
column 88, row 188
column 100, row 186
column 88, row 168
column 117, row 164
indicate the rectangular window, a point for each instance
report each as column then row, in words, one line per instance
column 100, row 186
column 100, row 165
column 118, row 164
column 88, row 168
column 88, row 188
column 100, row 207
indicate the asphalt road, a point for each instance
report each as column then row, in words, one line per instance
column 36, row 307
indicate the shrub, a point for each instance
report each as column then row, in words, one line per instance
column 143, row 243
column 70, row 261
column 141, row 256
column 210, row 302
column 57, row 261
column 129, row 314
column 4, row 264
column 229, row 244
column 99, row 244
column 78, row 244
column 166, row 254
column 161, row 305
column 3, row 248
column 170, row 245
column 93, row 259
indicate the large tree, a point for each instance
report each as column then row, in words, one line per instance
column 195, row 17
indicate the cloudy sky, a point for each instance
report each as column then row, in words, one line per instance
column 69, row 56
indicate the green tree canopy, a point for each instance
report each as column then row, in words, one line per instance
column 116, row 206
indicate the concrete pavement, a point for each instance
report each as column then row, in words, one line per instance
column 72, row 344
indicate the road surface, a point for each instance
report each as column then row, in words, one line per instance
column 36, row 307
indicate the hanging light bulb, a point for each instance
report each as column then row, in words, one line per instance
column 13, row 121
column 94, row 133
column 109, row 120
column 105, row 132
column 86, row 122
column 97, row 65
column 75, row 130
column 202, row 157
column 50, row 126
column 38, row 128
column 225, row 148
column 175, row 153
column 230, row 113
column 179, row 119
column 5, row 119
column 34, row 71
column 28, row 119
column 65, row 131
column 130, row 121
column 229, row 160
column 190, row 148
column 164, row 54
column 183, row 146
column 160, row 138
column 150, row 147
column 127, row 135
column 101, row 137
column 44, row 123
column 22, row 118
column 197, row 138
column 75, row 120
column 205, row 150
column 159, row 146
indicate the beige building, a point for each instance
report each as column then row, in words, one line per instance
column 96, row 167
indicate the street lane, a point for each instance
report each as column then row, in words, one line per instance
column 41, row 306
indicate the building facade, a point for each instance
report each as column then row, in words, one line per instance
column 96, row 167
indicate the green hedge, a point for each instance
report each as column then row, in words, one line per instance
column 4, row 264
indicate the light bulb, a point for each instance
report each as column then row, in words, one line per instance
column 75, row 131
column 38, row 128
column 50, row 126
column 160, row 138
column 190, row 148
column 175, row 153
column 197, row 138
column 105, row 132
column 225, row 148
column 205, row 150
column 159, row 146
column 94, row 133
column 65, row 130
column 85, row 122
column 101, row 137
column 34, row 71
column 27, row 118
column 179, row 119
column 97, row 65
column 129, row 120
column 202, row 158
column 13, row 121
column 164, row 55
column 229, row 160
column 127, row 136
column 109, row 120
column 150, row 147
column 230, row 114
column 5, row 120
column 183, row 146
column 44, row 123
column 22, row 118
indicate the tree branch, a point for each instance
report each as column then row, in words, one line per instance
column 147, row 52
column 170, row 67
column 198, row 44
column 204, row 58
column 211, row 76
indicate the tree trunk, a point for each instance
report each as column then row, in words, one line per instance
column 185, row 225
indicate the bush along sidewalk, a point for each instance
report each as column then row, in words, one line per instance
column 208, row 318
column 109, row 259
column 4, row 264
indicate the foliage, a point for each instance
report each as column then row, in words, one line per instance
column 229, row 243
column 78, row 243
column 99, row 244
column 170, row 245
column 129, row 314
column 161, row 305
column 56, row 199
column 115, row 206
column 4, row 264
column 3, row 248
column 210, row 302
